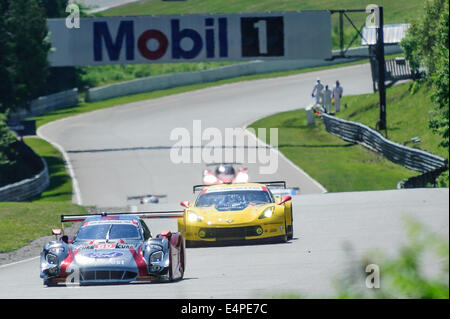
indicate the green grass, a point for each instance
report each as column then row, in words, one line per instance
column 22, row 222
column 337, row 165
column 342, row 166
column 107, row 74
column 60, row 188
column 400, row 11
column 407, row 114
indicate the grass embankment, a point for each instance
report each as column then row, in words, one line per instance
column 341, row 166
column 94, row 76
column 22, row 222
column 401, row 11
column 408, row 111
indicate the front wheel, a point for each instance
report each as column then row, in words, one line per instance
column 50, row 282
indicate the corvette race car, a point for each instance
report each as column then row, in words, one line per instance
column 230, row 213
column 113, row 248
column 225, row 173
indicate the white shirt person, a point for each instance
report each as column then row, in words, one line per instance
column 317, row 91
column 338, row 90
column 327, row 99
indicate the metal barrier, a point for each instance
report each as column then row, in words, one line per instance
column 415, row 159
column 27, row 188
column 47, row 103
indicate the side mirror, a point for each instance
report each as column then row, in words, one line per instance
column 284, row 199
column 185, row 203
column 65, row 239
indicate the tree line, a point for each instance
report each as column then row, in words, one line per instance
column 426, row 45
column 24, row 71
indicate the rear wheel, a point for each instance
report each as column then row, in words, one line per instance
column 285, row 237
column 291, row 229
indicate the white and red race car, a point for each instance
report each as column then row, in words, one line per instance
column 225, row 173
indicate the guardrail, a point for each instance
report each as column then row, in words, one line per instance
column 47, row 103
column 27, row 188
column 415, row 159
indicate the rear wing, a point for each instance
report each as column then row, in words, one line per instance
column 144, row 215
column 272, row 184
column 196, row 188
column 223, row 163
column 147, row 195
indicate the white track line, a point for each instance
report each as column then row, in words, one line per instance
column 75, row 186
column 19, row 262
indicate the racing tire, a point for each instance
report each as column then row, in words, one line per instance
column 190, row 244
column 50, row 283
column 291, row 231
column 182, row 260
column 285, row 237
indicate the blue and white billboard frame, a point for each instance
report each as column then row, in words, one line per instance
column 191, row 38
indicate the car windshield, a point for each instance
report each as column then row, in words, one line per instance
column 233, row 200
column 108, row 231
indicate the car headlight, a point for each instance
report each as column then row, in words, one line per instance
column 156, row 257
column 268, row 212
column 193, row 217
column 52, row 259
column 56, row 250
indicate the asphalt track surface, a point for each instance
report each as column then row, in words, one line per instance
column 125, row 151
column 331, row 232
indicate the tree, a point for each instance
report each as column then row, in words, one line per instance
column 53, row 8
column 24, row 52
column 7, row 153
column 427, row 44
column 60, row 78
column 7, row 62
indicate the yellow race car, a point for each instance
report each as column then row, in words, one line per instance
column 229, row 213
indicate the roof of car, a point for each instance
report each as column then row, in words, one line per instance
column 243, row 186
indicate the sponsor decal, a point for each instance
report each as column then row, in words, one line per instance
column 102, row 254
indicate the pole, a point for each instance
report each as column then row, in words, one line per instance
column 341, row 32
column 381, row 71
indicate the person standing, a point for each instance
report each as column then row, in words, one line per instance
column 327, row 99
column 337, row 95
column 317, row 91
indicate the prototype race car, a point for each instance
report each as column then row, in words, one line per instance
column 225, row 173
column 231, row 213
column 147, row 198
column 113, row 248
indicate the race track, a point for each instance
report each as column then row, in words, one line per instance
column 125, row 151
column 330, row 232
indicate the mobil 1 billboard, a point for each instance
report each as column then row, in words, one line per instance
column 191, row 38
